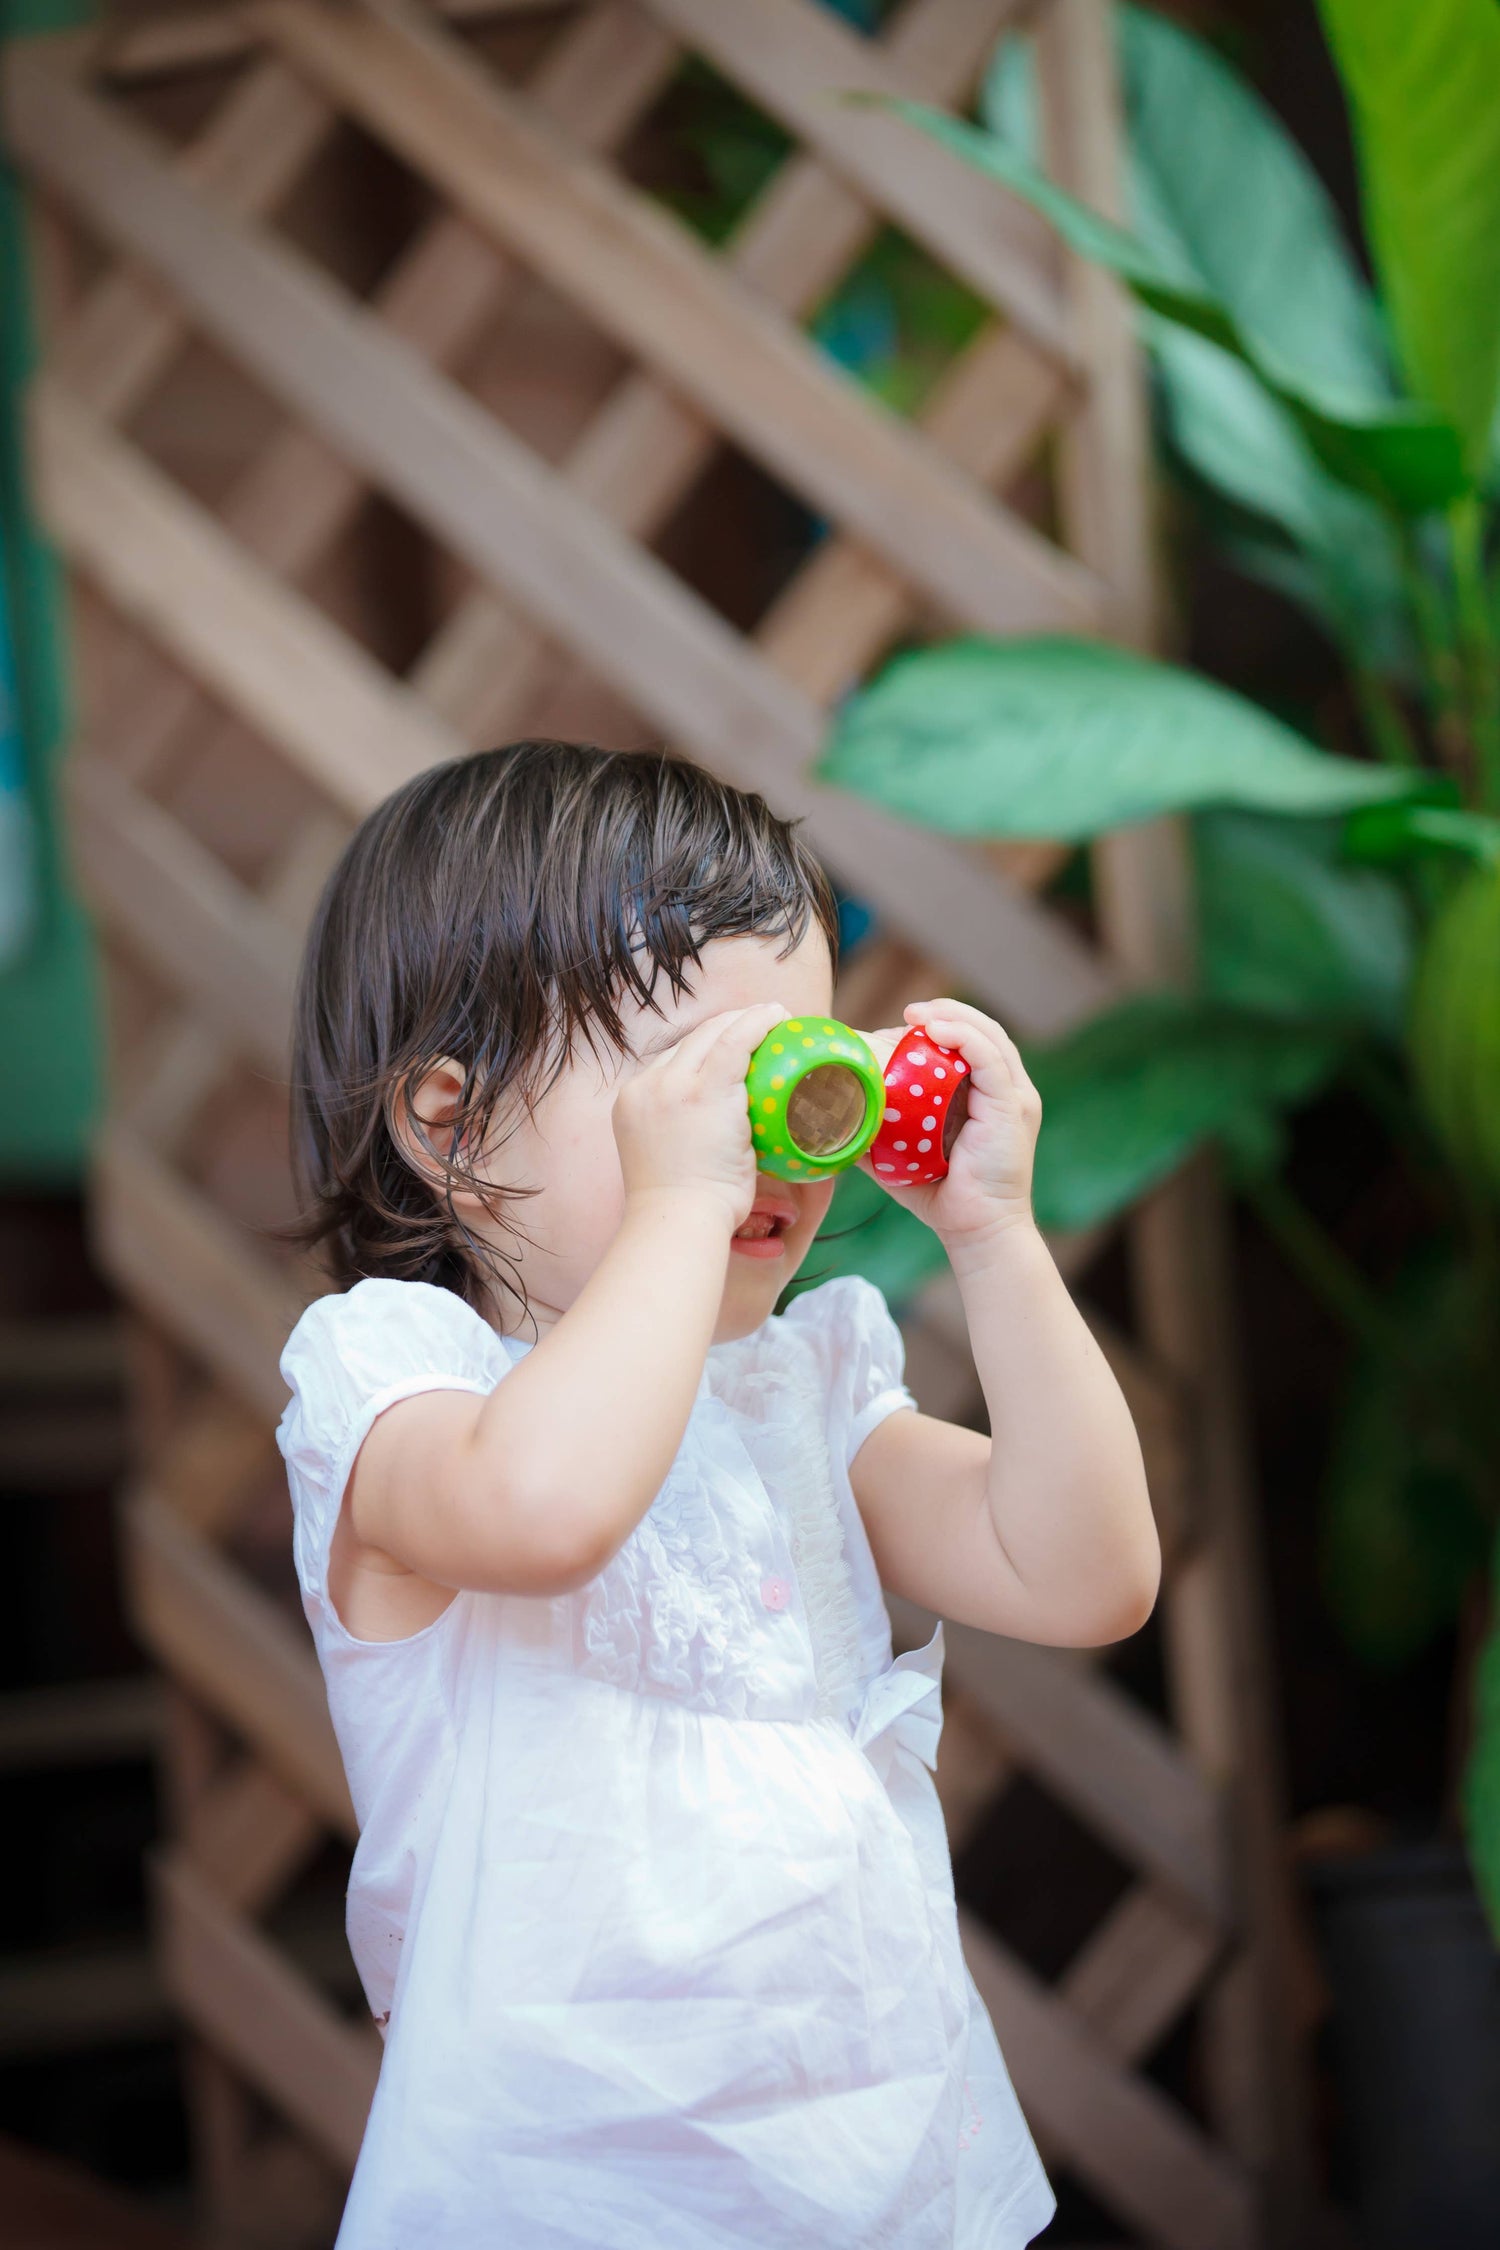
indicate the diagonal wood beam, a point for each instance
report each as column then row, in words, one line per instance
column 668, row 300
column 442, row 457
column 295, row 500
column 258, row 2012
column 1098, row 1753
column 262, row 137
column 1131, row 2146
column 808, row 69
column 287, row 671
column 219, row 1635
column 640, row 455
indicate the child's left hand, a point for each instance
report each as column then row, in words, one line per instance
column 988, row 1183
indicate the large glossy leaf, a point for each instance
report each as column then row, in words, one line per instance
column 1423, row 78
column 1217, row 166
column 1404, row 453
column 1289, row 929
column 1482, row 1771
column 1238, row 437
column 1063, row 739
column 1130, row 1096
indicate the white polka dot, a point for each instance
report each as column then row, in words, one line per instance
column 928, row 1123
column 960, row 1067
column 893, row 1117
column 924, row 1146
column 938, row 1071
column 913, row 1167
column 893, row 1078
column 917, row 1055
column 885, row 1167
column 898, row 1144
column 945, row 1050
column 915, row 1090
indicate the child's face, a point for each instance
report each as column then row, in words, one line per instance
column 567, row 1150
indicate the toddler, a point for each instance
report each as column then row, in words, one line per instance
column 652, row 1898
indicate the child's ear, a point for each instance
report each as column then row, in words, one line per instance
column 434, row 1097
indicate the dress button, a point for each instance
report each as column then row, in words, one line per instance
column 775, row 1593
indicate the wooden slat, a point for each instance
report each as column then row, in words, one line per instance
column 1139, row 1970
column 199, row 929
column 1139, row 2153
column 631, row 620
column 219, row 1636
column 261, row 2015
column 287, row 671
column 299, row 495
column 639, row 457
column 797, row 61
column 248, row 1835
column 196, row 1274
column 650, row 285
column 846, row 605
column 124, row 334
column 1098, row 1753
column 202, row 38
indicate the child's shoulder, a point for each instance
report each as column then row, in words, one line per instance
column 379, row 1338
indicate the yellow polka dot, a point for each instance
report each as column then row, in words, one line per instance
column 796, row 1167
column 768, row 1103
column 777, row 1149
column 797, row 1026
column 777, row 1048
column 778, row 1081
column 809, row 1042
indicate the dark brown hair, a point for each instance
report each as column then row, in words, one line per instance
column 492, row 910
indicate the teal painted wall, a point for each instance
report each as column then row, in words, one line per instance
column 50, row 1040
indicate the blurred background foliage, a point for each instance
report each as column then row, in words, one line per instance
column 1342, row 443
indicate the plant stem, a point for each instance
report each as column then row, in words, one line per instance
column 1481, row 656
column 1441, row 681
column 1383, row 715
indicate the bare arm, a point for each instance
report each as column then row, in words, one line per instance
column 1044, row 1531
column 532, row 1489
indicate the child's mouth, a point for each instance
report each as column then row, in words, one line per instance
column 760, row 1236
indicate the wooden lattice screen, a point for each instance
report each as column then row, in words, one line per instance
column 239, row 711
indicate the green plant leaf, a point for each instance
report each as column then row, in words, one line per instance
column 1384, row 835
column 1238, row 437
column 1404, row 453
column 1127, row 1098
column 1062, row 739
column 1212, row 161
column 1287, row 929
column 1455, row 1025
column 1423, row 78
column 1481, row 1785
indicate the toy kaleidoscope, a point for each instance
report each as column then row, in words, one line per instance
column 926, row 1101
column 816, row 1098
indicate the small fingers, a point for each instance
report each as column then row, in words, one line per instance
column 976, row 1035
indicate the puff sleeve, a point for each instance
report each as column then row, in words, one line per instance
column 349, row 1357
column 864, row 1357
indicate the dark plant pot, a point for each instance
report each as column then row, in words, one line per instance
column 1415, row 1978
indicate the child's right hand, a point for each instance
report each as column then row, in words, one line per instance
column 682, row 1120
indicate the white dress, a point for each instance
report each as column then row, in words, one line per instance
column 652, row 1896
